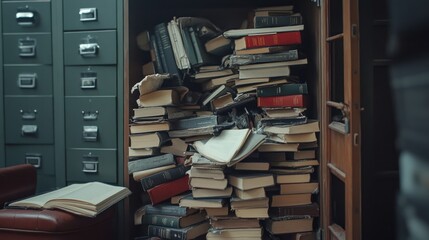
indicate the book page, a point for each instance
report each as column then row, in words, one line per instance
column 40, row 200
column 224, row 147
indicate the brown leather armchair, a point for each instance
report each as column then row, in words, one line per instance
column 28, row 224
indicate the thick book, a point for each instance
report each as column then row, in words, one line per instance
column 277, row 21
column 282, row 90
column 86, row 199
column 276, row 71
column 236, row 33
column 290, row 200
column 149, row 163
column 237, row 60
column 142, row 152
column 143, row 127
column 190, row 232
column 297, row 188
column 209, row 183
column 148, row 140
column 247, row 203
column 168, row 58
column 292, row 178
column 298, row 100
column 159, row 98
column 167, row 190
column 252, row 166
column 191, row 202
column 173, row 221
column 211, row 193
column 196, row 122
column 293, row 225
column 219, row 46
column 203, row 58
column 268, row 40
column 280, row 122
column 309, row 210
column 252, row 212
column 250, row 180
column 163, row 177
column 137, row 176
column 234, row 223
column 250, row 194
column 155, row 53
column 168, row 209
column 182, row 60
column 207, row 173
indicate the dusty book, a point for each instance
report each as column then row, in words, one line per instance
column 87, row 199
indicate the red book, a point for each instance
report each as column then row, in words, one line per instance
column 167, row 190
column 283, row 101
column 268, row 40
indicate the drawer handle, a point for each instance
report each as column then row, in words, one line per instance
column 90, row 133
column 88, row 49
column 34, row 159
column 28, row 130
column 88, row 80
column 90, row 163
column 27, row 80
column 27, row 47
column 28, row 115
column 88, row 116
column 88, row 14
column 25, row 17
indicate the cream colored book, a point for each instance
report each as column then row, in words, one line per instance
column 137, row 176
column 87, row 199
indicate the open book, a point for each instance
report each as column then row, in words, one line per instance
column 86, row 199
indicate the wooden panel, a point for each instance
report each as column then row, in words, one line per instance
column 337, row 150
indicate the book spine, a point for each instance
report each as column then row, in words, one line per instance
column 311, row 210
column 162, row 220
column 166, row 233
column 196, row 122
column 237, row 60
column 156, row 54
column 277, row 21
column 187, row 43
column 167, row 190
column 149, row 163
column 162, row 177
column 167, row 48
column 157, row 45
column 200, row 51
column 278, row 39
column 173, row 210
column 283, row 101
column 282, row 90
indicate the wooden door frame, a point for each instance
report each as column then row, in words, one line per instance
column 351, row 174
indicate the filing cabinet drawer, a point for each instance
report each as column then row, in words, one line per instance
column 91, row 165
column 89, row 14
column 90, row 48
column 91, row 122
column 27, row 49
column 45, row 183
column 26, row 16
column 28, row 120
column 90, row 81
column 28, row 80
column 40, row 156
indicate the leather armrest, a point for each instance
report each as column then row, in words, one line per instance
column 17, row 182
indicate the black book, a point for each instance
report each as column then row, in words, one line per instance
column 190, row 232
column 311, row 210
column 169, row 209
column 282, row 90
column 156, row 53
column 203, row 58
column 196, row 122
column 149, row 163
column 164, row 176
column 282, row 121
column 176, row 79
column 244, row 59
column 277, row 21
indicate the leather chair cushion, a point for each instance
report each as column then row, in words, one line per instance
column 17, row 182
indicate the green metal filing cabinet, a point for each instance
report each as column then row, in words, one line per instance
column 61, row 91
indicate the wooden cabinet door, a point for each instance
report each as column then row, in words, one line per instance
column 340, row 158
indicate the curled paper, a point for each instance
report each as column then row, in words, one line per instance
column 150, row 83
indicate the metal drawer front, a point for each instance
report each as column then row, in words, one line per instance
column 29, row 80
column 26, row 16
column 89, row 14
column 27, row 49
column 91, row 165
column 91, row 122
column 29, row 120
column 90, row 81
column 90, row 48
column 40, row 156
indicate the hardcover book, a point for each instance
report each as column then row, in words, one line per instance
column 250, row 180
column 237, row 60
column 159, row 98
column 167, row 190
column 149, row 163
column 308, row 210
column 190, row 232
column 169, row 209
column 148, row 140
column 236, row 33
column 289, row 225
column 173, row 221
column 282, row 90
column 277, row 21
column 268, row 40
column 162, row 177
column 298, row 100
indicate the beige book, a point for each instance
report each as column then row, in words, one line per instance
column 297, row 188
column 283, row 113
column 290, row 200
column 250, row 203
column 251, row 212
column 87, row 199
column 159, row 98
column 223, row 211
column 250, row 194
column 191, row 202
column 251, row 181
column 209, row 183
column 252, row 166
column 296, row 163
column 137, row 128
column 310, row 127
column 234, row 223
column 237, row 233
column 253, row 87
column 290, row 225
column 292, row 178
column 211, row 193
column 277, row 147
column 142, row 152
column 137, row 176
column 249, row 81
column 207, row 173
column 294, row 138
column 215, row 82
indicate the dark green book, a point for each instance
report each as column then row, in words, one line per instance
column 169, row 209
column 155, row 51
column 203, row 58
column 150, row 163
column 282, row 90
column 189, row 48
column 164, row 176
column 174, row 221
column 190, row 232
column 277, row 21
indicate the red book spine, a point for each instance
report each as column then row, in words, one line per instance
column 283, row 101
column 167, row 190
column 278, row 39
